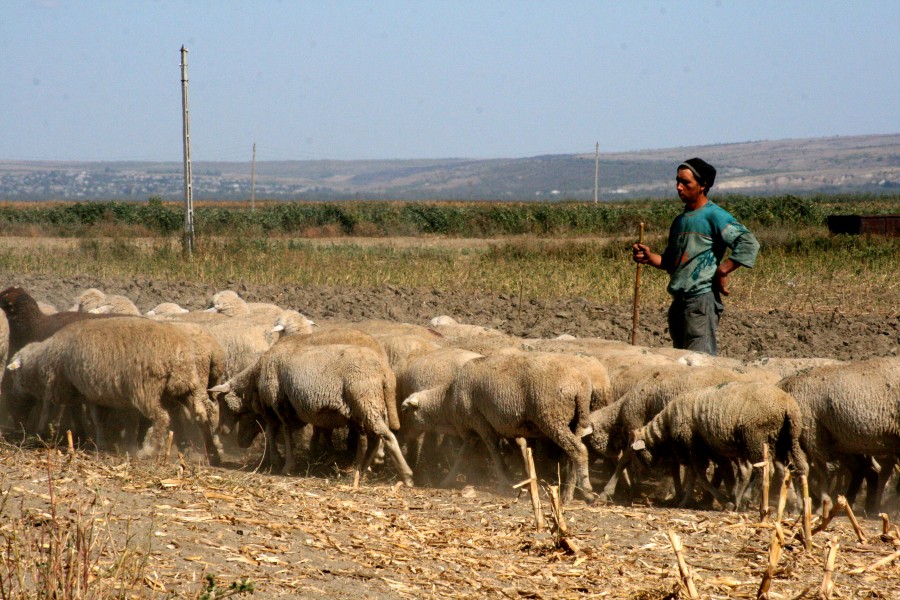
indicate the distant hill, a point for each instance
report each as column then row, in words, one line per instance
column 802, row 166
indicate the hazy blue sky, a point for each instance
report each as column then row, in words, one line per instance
column 100, row 79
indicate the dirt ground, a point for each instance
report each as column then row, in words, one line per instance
column 846, row 333
column 160, row 528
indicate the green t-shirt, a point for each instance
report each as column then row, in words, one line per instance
column 698, row 240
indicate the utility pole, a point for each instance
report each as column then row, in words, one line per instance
column 597, row 173
column 253, row 181
column 188, row 247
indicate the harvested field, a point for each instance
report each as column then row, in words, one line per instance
column 158, row 530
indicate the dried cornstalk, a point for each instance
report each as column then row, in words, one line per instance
column 885, row 523
column 561, row 529
column 828, row 516
column 807, row 514
column 827, row 584
column 71, row 442
column 687, row 579
column 853, row 521
column 877, row 564
column 532, row 484
column 168, row 453
column 777, row 540
column 774, row 556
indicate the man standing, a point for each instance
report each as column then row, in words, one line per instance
column 694, row 256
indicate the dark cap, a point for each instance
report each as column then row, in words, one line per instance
column 704, row 173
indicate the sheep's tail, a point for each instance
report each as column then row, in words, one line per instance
column 390, row 400
column 787, row 446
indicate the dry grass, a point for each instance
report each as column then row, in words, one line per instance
column 818, row 276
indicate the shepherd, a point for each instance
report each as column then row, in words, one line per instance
column 695, row 258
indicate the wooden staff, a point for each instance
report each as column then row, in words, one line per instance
column 637, row 289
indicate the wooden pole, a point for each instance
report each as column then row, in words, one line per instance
column 597, row 173
column 253, row 181
column 764, row 496
column 637, row 290
column 188, row 242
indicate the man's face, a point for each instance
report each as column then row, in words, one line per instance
column 688, row 189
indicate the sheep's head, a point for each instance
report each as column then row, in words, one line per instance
column 15, row 300
column 228, row 303
column 291, row 322
column 88, row 300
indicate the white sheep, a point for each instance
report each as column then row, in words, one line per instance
column 850, row 411
column 229, row 303
column 118, row 305
column 166, row 310
column 612, row 425
column 435, row 369
column 327, row 386
column 292, row 322
column 787, row 366
column 402, row 348
column 511, row 396
column 88, row 300
column 727, row 422
column 121, row 362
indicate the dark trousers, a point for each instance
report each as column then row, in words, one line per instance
column 693, row 322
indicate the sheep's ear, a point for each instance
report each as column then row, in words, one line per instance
column 638, row 445
column 211, row 309
column 410, row 404
column 223, row 387
column 15, row 364
column 277, row 328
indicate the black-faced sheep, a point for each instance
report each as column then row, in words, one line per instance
column 511, row 396
column 327, row 386
column 728, row 422
column 121, row 362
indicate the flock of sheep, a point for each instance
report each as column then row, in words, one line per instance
column 123, row 380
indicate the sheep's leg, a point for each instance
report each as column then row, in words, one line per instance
column 686, row 485
column 154, row 442
column 271, row 458
column 578, row 458
column 700, row 464
column 745, row 475
column 610, row 488
column 287, row 435
column 492, row 441
column 364, row 458
column 393, row 448
column 450, row 479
